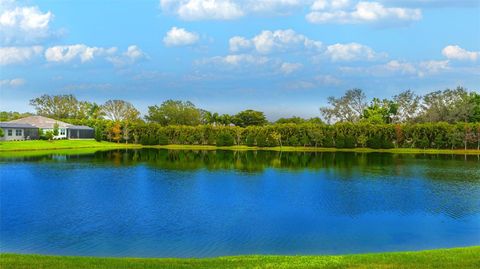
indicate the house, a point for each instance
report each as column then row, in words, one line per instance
column 21, row 129
column 18, row 131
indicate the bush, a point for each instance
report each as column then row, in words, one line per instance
column 225, row 139
column 425, row 135
column 250, row 140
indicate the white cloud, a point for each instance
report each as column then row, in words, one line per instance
column 351, row 52
column 327, row 80
column 16, row 82
column 14, row 55
column 74, row 52
column 180, row 37
column 23, row 24
column 288, row 68
column 455, row 52
column 401, row 67
column 237, row 43
column 338, row 11
column 130, row 56
column 279, row 40
column 432, row 67
column 203, row 9
column 272, row 6
column 235, row 59
column 329, row 4
column 192, row 10
column 395, row 67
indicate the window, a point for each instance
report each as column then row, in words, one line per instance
column 62, row 131
column 18, row 132
column 10, row 132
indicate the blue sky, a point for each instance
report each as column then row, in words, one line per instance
column 284, row 57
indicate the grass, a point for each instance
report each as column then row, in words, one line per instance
column 34, row 145
column 60, row 144
column 442, row 258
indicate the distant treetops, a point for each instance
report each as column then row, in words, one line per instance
column 457, row 105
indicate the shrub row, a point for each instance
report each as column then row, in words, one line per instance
column 341, row 135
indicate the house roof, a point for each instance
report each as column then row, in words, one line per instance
column 46, row 123
column 79, row 127
column 16, row 125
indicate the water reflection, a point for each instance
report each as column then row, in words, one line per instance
column 208, row 203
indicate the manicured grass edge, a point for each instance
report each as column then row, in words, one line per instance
column 468, row 257
column 6, row 146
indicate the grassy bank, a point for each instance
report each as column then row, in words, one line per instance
column 34, row 145
column 442, row 258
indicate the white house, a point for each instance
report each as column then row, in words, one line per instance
column 65, row 130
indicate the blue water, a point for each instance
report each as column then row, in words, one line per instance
column 197, row 204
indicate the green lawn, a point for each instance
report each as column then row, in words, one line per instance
column 33, row 145
column 58, row 144
column 443, row 258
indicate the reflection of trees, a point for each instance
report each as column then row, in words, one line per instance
column 343, row 183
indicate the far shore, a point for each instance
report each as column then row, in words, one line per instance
column 42, row 145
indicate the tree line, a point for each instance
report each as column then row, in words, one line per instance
column 450, row 105
column 439, row 119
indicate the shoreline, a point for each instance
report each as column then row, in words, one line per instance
column 465, row 257
column 41, row 145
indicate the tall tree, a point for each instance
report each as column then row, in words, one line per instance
column 173, row 112
column 56, row 106
column 448, row 105
column 119, row 110
column 408, row 106
column 249, row 117
column 380, row 111
column 475, row 103
column 348, row 108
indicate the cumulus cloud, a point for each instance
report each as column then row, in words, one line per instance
column 351, row 52
column 342, row 11
column 454, row 52
column 23, row 24
column 203, row 9
column 11, row 83
column 15, row 55
column 130, row 56
column 180, row 37
column 192, row 10
column 279, row 40
column 288, row 68
column 237, row 43
column 432, row 67
column 237, row 59
column 272, row 6
column 80, row 52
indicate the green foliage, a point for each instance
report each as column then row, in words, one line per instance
column 296, row 120
column 2, row 134
column 340, row 135
column 49, row 135
column 225, row 139
column 380, row 111
column 55, row 129
column 12, row 115
column 172, row 112
column 249, row 118
column 98, row 133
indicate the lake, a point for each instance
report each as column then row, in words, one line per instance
column 164, row 203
